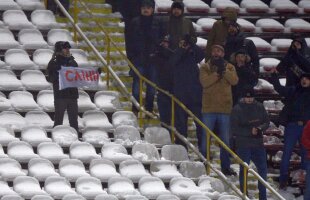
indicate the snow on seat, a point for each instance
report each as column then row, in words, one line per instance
column 80, row 57
column 192, row 170
column 84, row 102
column 266, row 64
column 41, row 57
column 254, row 6
column 5, row 104
column 34, row 80
column 124, row 118
column 126, row 135
column 184, row 187
column 157, row 135
column 174, row 152
column 10, row 169
column 9, row 81
column 9, row 5
column 83, row 151
column 305, row 4
column 12, row 120
column 202, row 43
column 281, row 44
column 95, row 137
column 21, row 151
column 19, row 59
column 5, row 189
column 163, row 5
column 27, row 187
column 3, row 65
column 39, row 118
column 261, row 45
column 246, row 25
column 64, row 135
column 16, row 20
column 211, row 184
column 55, row 35
column 198, row 197
column 115, row 152
column 121, row 187
column 51, row 151
column 32, row 39
column 167, row 197
column 30, row 4
column 107, row 101
column 27, row 102
column 41, row 197
column 102, row 169
column 284, row 6
column 164, row 169
column 106, row 197
column 44, row 19
column 264, row 86
column 135, row 197
column 7, row 135
column 41, row 169
column 89, row 187
column 7, row 40
column 229, row 197
column 269, row 25
column 73, row 197
column 72, row 169
column 297, row 25
column 96, row 119
column 152, row 187
column 34, row 135
column 58, row 187
column 2, row 154
column 194, row 6
column 206, row 23
column 12, row 197
column 133, row 169
column 45, row 100
column 220, row 5
column 145, row 152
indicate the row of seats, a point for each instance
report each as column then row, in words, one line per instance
column 21, row 4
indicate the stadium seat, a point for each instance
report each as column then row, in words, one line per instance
column 5, row 189
column 269, row 25
column 55, row 35
column 27, row 187
column 196, row 6
column 107, row 101
column 58, row 187
column 135, row 197
column 305, row 4
column 12, row 120
column 145, row 152
column 281, row 44
column 174, row 152
column 30, row 5
column 96, row 119
column 73, row 197
column 41, row 169
column 152, row 187
column 7, row 135
column 207, row 183
column 157, row 135
column 80, row 57
column 261, row 44
column 41, row 197
column 229, row 197
column 246, row 26
column 44, row 19
column 167, row 197
column 192, row 170
column 102, row 169
column 284, row 6
column 8, row 81
column 220, row 5
column 67, row 123
column 2, row 154
column 52, row 152
column 254, row 6
column 9, row 5
column 7, row 40
column 89, row 187
column 95, row 137
column 126, row 135
column 21, row 151
column 297, row 25
column 206, row 23
column 268, row 63
column 45, row 100
column 34, row 80
column 64, row 135
column 12, row 197
column 184, row 187
column 164, row 169
column 3, row 65
column 72, row 169
column 32, row 39
column 115, row 152
column 132, row 169
column 41, row 57
column 163, row 5
column 264, row 86
column 124, row 118
column 198, row 197
column 27, row 103
column 16, row 20
column 84, row 102
column 121, row 187
column 106, row 197
column 34, row 135
column 83, row 151
column 18, row 59
column 39, row 118
column 10, row 169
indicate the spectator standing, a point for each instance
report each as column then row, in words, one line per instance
column 293, row 116
column 216, row 77
column 295, row 62
column 146, row 33
column 249, row 120
column 219, row 30
column 306, row 143
column 65, row 99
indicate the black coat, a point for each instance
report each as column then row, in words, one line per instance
column 53, row 76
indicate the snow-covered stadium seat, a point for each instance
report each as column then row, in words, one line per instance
column 5, row 104
column 64, row 135
column 83, row 151
column 39, row 118
column 107, row 101
column 198, row 197
column 10, row 169
column 27, row 187
column 229, row 197
column 164, row 169
column 45, row 100
column 206, row 23
column 145, row 152
column 284, row 6
column 184, row 187
column 21, row 151
column 7, row 40
column 80, row 57
column 135, row 197
column 261, row 44
column 157, row 135
column 3, row 65
column 7, row 135
column 51, row 151
column 211, row 184
column 281, row 44
column 5, row 189
column 84, row 102
column 305, row 4
column 42, row 197
column 174, row 152
column 167, row 197
column 58, row 187
column 96, row 119
column 202, row 43
column 246, row 25
column 9, row 81
column 32, row 39
column 297, row 25
column 34, row 135
column 102, row 169
column 194, row 6
column 163, row 5
column 132, row 169
column 95, row 136
column 12, row 120
column 2, row 154
column 34, row 80
column 72, row 169
column 16, row 20
column 12, row 197
column 30, row 5
column 126, row 135
column 41, row 57
column 220, row 5
column 44, row 19
column 254, row 6
column 192, row 170
column 19, row 59
column 264, row 86
column 269, row 25
column 268, row 63
column 152, row 187
column 115, row 152
column 41, row 169
column 73, row 197
column 124, row 118
column 55, row 35
column 27, row 103
column 9, row 5
column 121, row 187
column 106, row 197
column 89, row 187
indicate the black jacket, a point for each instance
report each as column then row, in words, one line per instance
column 53, row 76
column 243, row 118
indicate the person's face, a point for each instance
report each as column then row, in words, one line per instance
column 65, row 51
column 147, row 11
column 217, row 53
column 232, row 30
column 176, row 12
column 240, row 59
column 296, row 45
column 248, row 100
column 305, row 82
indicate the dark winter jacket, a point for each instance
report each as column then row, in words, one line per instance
column 244, row 117
column 53, row 76
column 295, row 63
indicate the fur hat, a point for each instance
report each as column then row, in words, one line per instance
column 147, row 3
column 178, row 4
column 60, row 45
column 218, row 46
column 240, row 51
column 230, row 14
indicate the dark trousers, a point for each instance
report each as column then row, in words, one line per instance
column 164, row 108
column 61, row 105
column 52, row 6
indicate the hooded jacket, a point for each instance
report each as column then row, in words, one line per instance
column 305, row 139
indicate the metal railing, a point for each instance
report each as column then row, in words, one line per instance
column 174, row 101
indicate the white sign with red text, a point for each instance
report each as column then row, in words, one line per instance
column 78, row 77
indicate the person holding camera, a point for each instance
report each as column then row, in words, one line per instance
column 217, row 76
column 249, row 120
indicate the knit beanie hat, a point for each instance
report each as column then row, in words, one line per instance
column 218, row 46
column 147, row 3
column 230, row 14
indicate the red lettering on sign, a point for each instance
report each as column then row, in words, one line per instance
column 67, row 75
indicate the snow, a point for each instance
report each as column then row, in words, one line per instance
column 72, row 169
column 83, row 151
column 124, row 118
column 220, row 5
column 254, row 6
column 5, row 104
column 34, row 135
column 206, row 23
column 41, row 57
column 27, row 186
column 34, row 80
column 44, row 19
column 107, row 101
column 16, row 20
column 64, row 135
column 164, row 170
column 283, row 6
column 281, row 44
column 121, row 187
column 57, row 187
column 30, row 5
column 89, row 187
column 9, row 5
column 96, row 137
column 10, row 169
column 114, row 152
column 21, row 151
column 192, row 170
column 45, row 100
column 51, row 151
column 157, row 135
column 8, row 80
column 261, row 45
column 174, row 152
column 152, row 187
column 163, row 5
column 264, row 85
column 7, row 40
column 297, row 25
column 268, row 63
column 18, row 59
column 27, row 102
column 7, row 135
column 269, row 25
column 102, row 169
column 196, row 6
column 184, row 187
column 84, row 102
column 41, row 169
column 80, row 57
column 12, row 120
column 201, row 42
column 246, row 25
column 55, row 35
column 5, row 189
column 133, row 170
column 39, row 118
column 305, row 4
column 32, row 39
column 126, row 134
column 145, row 152
column 96, row 119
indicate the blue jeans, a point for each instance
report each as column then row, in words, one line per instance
column 292, row 135
column 223, row 122
column 259, row 158
column 307, row 190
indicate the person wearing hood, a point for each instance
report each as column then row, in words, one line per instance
column 249, row 120
column 295, row 62
column 219, row 30
column 294, row 115
column 65, row 99
column 145, row 35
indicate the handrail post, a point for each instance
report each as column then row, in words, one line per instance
column 108, row 41
column 208, row 138
column 75, row 17
column 140, row 101
column 172, row 119
column 245, row 180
